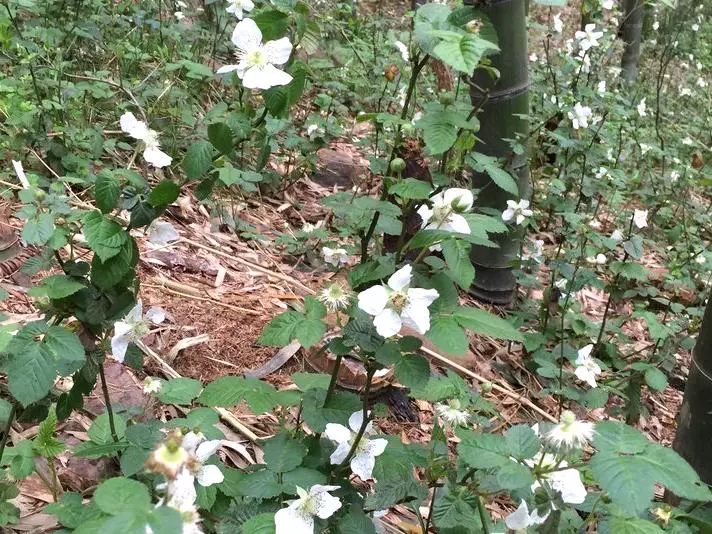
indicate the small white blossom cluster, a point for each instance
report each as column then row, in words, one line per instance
column 446, row 212
column 137, row 129
column 517, row 211
column 363, row 459
column 133, row 327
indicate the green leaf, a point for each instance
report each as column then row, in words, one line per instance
column 462, row 51
column 487, row 324
column 484, row 451
column 220, row 136
column 522, row 442
column 282, row 453
column 104, row 236
column 45, row 444
column 412, row 371
column 514, row 476
column 259, row 524
column 305, row 381
column 281, row 330
column 411, row 189
column 198, row 159
column 106, row 274
column 457, row 256
column 90, row 450
column 39, row 229
column 273, row 24
column 165, row 193
column 632, row 525
column 340, row 406
column 439, row 132
column 634, row 247
column 259, row 485
column 491, row 166
column 5, row 410
column 56, row 286
column 614, row 436
column 225, row 391
column 165, row 520
column 656, row 379
column 39, row 352
column 106, row 191
column 119, row 494
column 448, row 335
column 393, row 491
column 456, row 508
column 430, row 17
column 22, row 463
column 356, row 522
column 302, row 477
column 100, row 430
column 179, row 390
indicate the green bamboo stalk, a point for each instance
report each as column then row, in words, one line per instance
column 502, row 118
column 632, row 32
column 694, row 426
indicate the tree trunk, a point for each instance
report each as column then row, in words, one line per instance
column 694, row 425
column 632, row 32
column 501, row 119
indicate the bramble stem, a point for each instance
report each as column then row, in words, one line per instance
column 107, row 401
column 334, row 377
column 364, row 424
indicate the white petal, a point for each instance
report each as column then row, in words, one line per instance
column 135, row 128
column 401, row 278
column 456, row 223
column 568, row 482
column 135, row 314
column 161, row 233
column 423, row 297
column 416, row 316
column 156, row 157
column 340, row 453
column 376, row 446
column 20, row 171
column 388, row 323
column 228, row 68
column 182, row 492
column 191, row 441
column 519, row 519
column 119, row 345
column 321, row 488
column 356, row 420
column 584, row 353
column 373, row 300
column 507, row 215
column 246, row 36
column 326, row 504
column 584, row 374
column 278, row 51
column 209, row 475
column 425, row 214
column 156, row 315
column 264, row 78
column 290, row 521
column 362, row 465
column 338, row 433
column 206, row 449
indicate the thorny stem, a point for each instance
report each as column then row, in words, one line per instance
column 371, row 370
column 366, row 238
column 483, row 515
column 334, row 376
column 426, row 526
column 107, row 400
column 6, row 432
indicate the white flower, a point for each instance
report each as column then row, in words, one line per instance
column 656, row 25
column 517, row 211
column 586, row 368
column 641, row 107
column 533, row 57
column 160, row 233
column 298, row 517
column 256, row 61
column 617, row 235
column 700, row 258
column 701, row 82
column 579, row 116
column 364, row 459
column 595, row 224
column 602, row 173
column 567, row 482
column 570, row 432
column 607, row 4
column 335, row 256
column 645, row 148
column 687, row 141
column 695, row 27
column 451, row 414
column 599, row 259
column 239, row 7
column 132, row 328
column 403, row 49
column 535, row 250
column 397, row 304
column 312, row 129
column 640, row 218
column 558, row 23
column 521, row 519
column 169, row 458
column 602, row 87
column 334, row 297
column 137, row 129
column 445, row 213
column 151, row 385
column 588, row 38
column 179, row 15
column 201, row 450
column 674, row 176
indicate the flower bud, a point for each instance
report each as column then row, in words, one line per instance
column 486, row 387
column 40, row 195
column 474, row 26
column 391, row 72
column 398, row 165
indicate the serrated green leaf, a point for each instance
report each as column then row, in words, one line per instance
column 56, row 286
column 412, row 371
column 119, row 494
column 411, row 189
column 490, row 165
column 179, row 390
column 104, row 236
column 487, row 324
column 45, row 444
column 165, row 193
column 462, row 51
column 220, row 135
column 259, row 524
column 198, row 159
column 522, row 442
column 448, row 335
column 460, row 268
column 283, row 453
column 225, row 391
column 100, row 430
column 106, row 191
